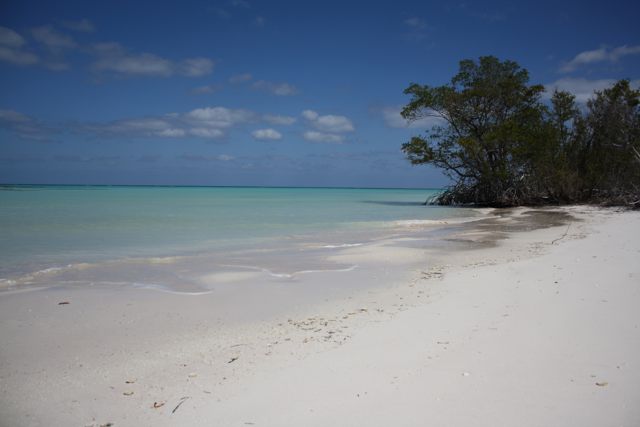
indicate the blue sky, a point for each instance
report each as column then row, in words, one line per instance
column 285, row 93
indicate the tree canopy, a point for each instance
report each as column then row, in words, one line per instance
column 503, row 146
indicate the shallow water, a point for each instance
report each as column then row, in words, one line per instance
column 174, row 235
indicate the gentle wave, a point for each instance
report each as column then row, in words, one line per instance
column 165, row 289
column 34, row 275
column 291, row 275
column 344, row 245
column 427, row 222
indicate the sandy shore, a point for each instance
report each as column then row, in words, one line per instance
column 537, row 328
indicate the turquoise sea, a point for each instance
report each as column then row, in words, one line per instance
column 43, row 228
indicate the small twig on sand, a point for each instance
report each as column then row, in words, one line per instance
column 563, row 236
column 180, row 403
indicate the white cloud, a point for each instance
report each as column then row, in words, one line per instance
column 206, row 132
column 328, row 127
column 53, row 39
column 416, row 23
column 392, row 118
column 11, row 116
column 416, row 29
column 108, row 49
column 83, row 26
column 331, row 123
column 218, row 117
column 279, row 120
column 113, row 57
column 145, row 64
column 271, row 134
column 147, row 126
column 315, row 136
column 280, row 89
column 201, row 158
column 240, row 78
column 583, row 89
column 56, row 44
column 109, row 57
column 172, row 133
column 208, row 123
column 17, row 57
column 260, row 21
column 328, row 123
column 625, row 50
column 11, row 48
column 25, row 126
column 10, row 38
column 599, row 55
column 196, row 67
column 309, row 114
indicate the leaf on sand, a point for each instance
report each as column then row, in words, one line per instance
column 128, row 393
column 179, row 403
column 64, row 303
column 602, row 384
column 233, row 359
column 157, row 405
column 130, row 381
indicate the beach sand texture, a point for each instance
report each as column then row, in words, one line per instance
column 516, row 324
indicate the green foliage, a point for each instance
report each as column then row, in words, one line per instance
column 610, row 142
column 502, row 146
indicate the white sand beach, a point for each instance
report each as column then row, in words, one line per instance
column 537, row 328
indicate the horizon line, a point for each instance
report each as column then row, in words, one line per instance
column 216, row 186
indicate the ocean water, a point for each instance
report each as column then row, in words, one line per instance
column 53, row 229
